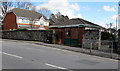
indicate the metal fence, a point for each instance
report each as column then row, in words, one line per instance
column 105, row 48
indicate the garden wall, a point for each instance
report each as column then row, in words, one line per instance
column 34, row 35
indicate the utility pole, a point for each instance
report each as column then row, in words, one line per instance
column 116, row 23
column 116, row 33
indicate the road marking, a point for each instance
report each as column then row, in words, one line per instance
column 11, row 55
column 55, row 66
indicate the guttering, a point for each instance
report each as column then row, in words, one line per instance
column 77, row 25
column 66, row 26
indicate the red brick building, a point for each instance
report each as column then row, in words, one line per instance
column 10, row 21
column 24, row 19
column 71, row 31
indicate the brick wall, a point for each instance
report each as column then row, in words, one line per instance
column 10, row 22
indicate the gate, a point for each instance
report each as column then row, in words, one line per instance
column 71, row 37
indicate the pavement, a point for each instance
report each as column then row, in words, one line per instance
column 28, row 55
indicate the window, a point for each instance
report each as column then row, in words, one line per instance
column 41, row 23
column 68, row 33
column 25, row 21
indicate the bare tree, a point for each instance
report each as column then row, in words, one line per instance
column 4, row 6
column 45, row 11
column 24, row 5
column 7, row 5
column 111, row 25
column 58, row 15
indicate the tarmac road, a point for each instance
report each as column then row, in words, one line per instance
column 24, row 55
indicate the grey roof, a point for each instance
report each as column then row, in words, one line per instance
column 68, row 22
column 74, row 23
column 90, row 23
column 26, row 13
column 51, row 21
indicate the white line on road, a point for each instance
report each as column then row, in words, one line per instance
column 11, row 55
column 55, row 66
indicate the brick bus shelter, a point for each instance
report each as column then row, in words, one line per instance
column 71, row 32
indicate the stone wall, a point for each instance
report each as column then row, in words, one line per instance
column 35, row 35
column 91, row 34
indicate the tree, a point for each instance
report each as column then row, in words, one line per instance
column 107, row 36
column 45, row 11
column 58, row 15
column 111, row 25
column 24, row 5
column 4, row 6
column 7, row 5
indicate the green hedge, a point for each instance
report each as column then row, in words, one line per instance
column 107, row 36
column 21, row 30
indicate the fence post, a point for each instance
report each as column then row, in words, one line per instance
column 82, row 45
column 91, row 47
column 53, row 37
column 99, row 44
column 111, row 48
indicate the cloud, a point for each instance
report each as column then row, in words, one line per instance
column 103, row 24
column 64, row 7
column 85, row 8
column 110, row 9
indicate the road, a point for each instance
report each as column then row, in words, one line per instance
column 24, row 55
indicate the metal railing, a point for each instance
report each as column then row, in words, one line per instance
column 106, row 48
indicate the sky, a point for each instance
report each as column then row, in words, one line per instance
column 101, row 13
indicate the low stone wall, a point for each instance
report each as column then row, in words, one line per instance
column 91, row 34
column 37, row 35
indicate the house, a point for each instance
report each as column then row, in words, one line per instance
column 73, row 31
column 0, row 22
column 24, row 19
column 112, row 31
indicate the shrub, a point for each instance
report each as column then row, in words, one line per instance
column 107, row 36
column 21, row 30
